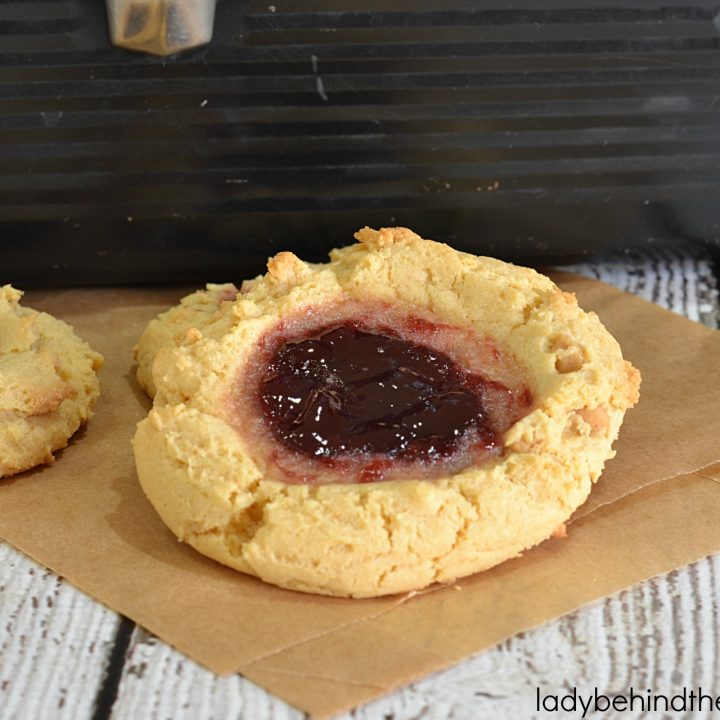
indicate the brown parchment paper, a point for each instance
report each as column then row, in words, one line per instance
column 655, row 508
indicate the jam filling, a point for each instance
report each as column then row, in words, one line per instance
column 346, row 393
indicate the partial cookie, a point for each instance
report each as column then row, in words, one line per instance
column 403, row 415
column 171, row 327
column 48, row 384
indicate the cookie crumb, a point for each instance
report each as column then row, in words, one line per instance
column 385, row 236
column 287, row 268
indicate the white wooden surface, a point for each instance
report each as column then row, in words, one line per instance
column 62, row 655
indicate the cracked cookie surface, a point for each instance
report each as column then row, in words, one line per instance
column 203, row 463
column 48, row 384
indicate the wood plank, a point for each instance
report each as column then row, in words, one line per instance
column 54, row 642
column 183, row 689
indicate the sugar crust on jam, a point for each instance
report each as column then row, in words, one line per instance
column 469, row 393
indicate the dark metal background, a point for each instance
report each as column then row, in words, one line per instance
column 535, row 130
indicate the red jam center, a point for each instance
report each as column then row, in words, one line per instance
column 346, row 392
column 368, row 391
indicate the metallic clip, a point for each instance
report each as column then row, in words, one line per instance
column 160, row 27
